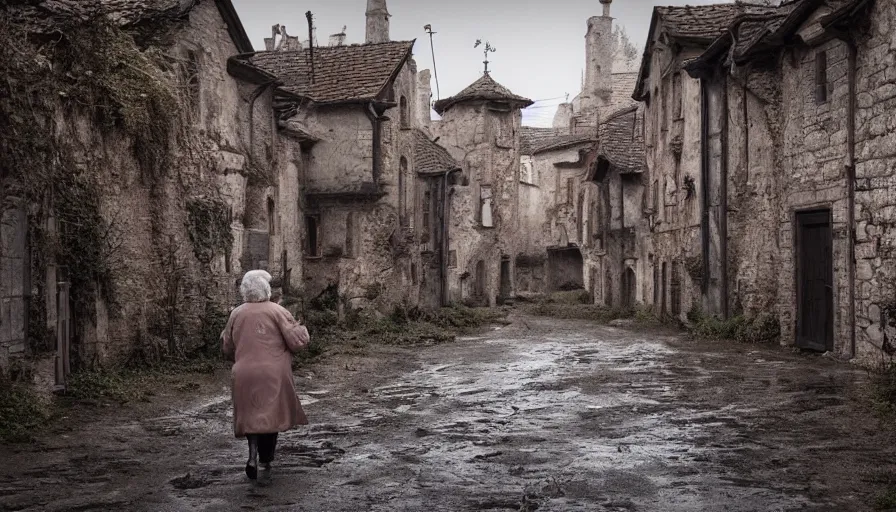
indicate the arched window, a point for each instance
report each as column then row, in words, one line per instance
column 405, row 115
column 402, row 191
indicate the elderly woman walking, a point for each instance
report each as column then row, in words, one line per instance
column 261, row 337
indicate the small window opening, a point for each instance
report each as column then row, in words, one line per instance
column 312, row 228
column 402, row 192
column 350, row 228
column 485, row 206
column 426, row 214
column 271, row 223
column 821, row 77
column 405, row 115
column 570, row 190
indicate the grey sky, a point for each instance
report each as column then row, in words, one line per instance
column 540, row 45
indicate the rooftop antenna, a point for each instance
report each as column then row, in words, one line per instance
column 311, row 41
column 488, row 49
column 428, row 29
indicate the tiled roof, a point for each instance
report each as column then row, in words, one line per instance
column 351, row 73
column 562, row 142
column 486, row 88
column 756, row 31
column 430, row 158
column 532, row 137
column 623, row 85
column 621, row 142
column 49, row 16
column 704, row 22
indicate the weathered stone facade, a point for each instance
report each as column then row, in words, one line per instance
column 164, row 226
column 790, row 154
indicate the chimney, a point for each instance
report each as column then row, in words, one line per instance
column 338, row 39
column 424, row 99
column 598, row 58
column 563, row 117
column 269, row 43
column 377, row 21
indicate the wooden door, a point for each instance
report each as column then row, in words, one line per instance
column 814, row 279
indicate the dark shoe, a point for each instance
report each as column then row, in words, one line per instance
column 264, row 476
column 251, row 471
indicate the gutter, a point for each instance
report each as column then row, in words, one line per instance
column 723, row 191
column 376, row 122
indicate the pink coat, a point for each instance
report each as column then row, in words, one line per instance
column 261, row 337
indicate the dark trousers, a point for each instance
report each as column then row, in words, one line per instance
column 266, row 443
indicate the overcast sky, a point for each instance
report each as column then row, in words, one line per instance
column 540, row 45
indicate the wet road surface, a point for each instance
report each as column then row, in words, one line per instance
column 541, row 415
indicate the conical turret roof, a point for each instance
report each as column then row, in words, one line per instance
column 486, row 88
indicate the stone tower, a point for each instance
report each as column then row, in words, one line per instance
column 599, row 58
column 377, row 21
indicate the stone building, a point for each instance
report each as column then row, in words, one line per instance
column 355, row 106
column 786, row 139
column 163, row 180
column 686, row 205
column 480, row 128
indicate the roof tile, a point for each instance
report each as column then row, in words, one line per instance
column 486, row 88
column 621, row 142
column 341, row 73
column 430, row 158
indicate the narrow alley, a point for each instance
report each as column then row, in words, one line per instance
column 541, row 415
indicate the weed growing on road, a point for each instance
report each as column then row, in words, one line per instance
column 886, row 501
column 883, row 389
column 22, row 413
column 761, row 329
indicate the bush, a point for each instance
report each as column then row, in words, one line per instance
column 883, row 388
column 574, row 311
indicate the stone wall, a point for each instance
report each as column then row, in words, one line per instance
column 875, row 190
column 672, row 145
column 486, row 143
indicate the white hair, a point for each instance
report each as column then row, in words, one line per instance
column 256, row 286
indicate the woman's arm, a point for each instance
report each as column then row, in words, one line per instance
column 228, row 347
column 295, row 335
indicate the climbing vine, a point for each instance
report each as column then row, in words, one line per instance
column 93, row 71
column 208, row 224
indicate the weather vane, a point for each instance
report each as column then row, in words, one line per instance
column 488, row 49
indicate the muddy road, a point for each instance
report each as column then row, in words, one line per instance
column 538, row 415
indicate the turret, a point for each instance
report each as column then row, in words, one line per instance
column 599, row 57
column 377, row 21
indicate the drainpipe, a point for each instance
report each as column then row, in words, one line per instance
column 851, row 188
column 704, row 186
column 445, row 239
column 723, row 192
column 376, row 123
column 255, row 95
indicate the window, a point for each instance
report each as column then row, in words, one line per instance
column 402, row 192
column 656, row 196
column 821, row 77
column 271, row 224
column 676, row 96
column 580, row 221
column 405, row 115
column 570, row 190
column 414, row 273
column 485, row 209
column 312, row 230
column 350, row 236
column 664, row 109
column 452, row 259
column 426, row 212
column 527, row 174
